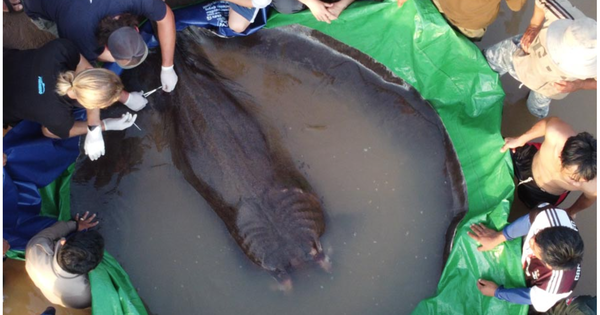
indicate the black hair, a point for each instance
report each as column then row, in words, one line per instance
column 82, row 252
column 561, row 247
column 110, row 24
column 580, row 150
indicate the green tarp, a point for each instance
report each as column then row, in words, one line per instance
column 416, row 43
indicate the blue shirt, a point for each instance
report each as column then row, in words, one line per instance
column 77, row 20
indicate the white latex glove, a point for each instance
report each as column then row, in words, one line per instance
column 94, row 144
column 168, row 78
column 122, row 123
column 136, row 101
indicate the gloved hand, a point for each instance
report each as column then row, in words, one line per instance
column 122, row 123
column 168, row 78
column 94, row 143
column 136, row 101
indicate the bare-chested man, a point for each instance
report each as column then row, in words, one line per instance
column 564, row 162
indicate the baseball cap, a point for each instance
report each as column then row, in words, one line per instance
column 572, row 46
column 127, row 47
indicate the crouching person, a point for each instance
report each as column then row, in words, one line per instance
column 551, row 258
column 59, row 266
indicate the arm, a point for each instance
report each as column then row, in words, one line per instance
column 572, row 86
column 519, row 228
column 515, row 295
column 166, row 37
column 583, row 202
column 540, row 129
column 535, row 25
column 56, row 231
column 82, row 65
column 79, row 127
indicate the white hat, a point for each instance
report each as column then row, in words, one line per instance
column 572, row 46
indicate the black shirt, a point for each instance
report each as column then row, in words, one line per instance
column 30, row 86
column 77, row 20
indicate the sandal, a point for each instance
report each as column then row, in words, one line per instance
column 10, row 6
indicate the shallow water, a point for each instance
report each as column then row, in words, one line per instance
column 377, row 160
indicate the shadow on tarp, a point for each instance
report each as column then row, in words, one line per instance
column 416, row 43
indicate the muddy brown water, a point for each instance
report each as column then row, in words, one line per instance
column 151, row 256
column 373, row 151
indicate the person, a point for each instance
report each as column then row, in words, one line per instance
column 323, row 10
column 58, row 262
column 44, row 85
column 472, row 17
column 555, row 56
column 551, row 257
column 565, row 161
column 243, row 12
column 79, row 21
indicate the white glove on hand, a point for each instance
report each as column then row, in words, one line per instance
column 168, row 78
column 122, row 123
column 94, row 143
column 136, row 101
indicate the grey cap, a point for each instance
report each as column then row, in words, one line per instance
column 127, row 47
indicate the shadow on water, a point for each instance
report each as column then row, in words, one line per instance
column 375, row 154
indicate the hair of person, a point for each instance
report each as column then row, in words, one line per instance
column 82, row 252
column 93, row 88
column 580, row 150
column 110, row 24
column 561, row 247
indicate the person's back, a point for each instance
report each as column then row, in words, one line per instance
column 59, row 268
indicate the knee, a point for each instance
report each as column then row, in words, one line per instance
column 238, row 26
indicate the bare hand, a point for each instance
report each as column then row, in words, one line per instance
column 401, row 3
column 337, row 8
column 4, row 159
column 568, row 86
column 511, row 143
column 85, row 222
column 487, row 288
column 487, row 237
column 530, row 34
column 320, row 11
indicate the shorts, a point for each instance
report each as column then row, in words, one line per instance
column 248, row 13
column 528, row 191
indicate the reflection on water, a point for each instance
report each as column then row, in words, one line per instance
column 375, row 154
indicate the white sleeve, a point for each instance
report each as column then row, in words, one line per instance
column 259, row 4
column 542, row 301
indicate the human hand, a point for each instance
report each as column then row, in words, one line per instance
column 487, row 288
column 94, row 144
column 5, row 247
column 168, row 78
column 136, row 101
column 84, row 222
column 530, row 34
column 4, row 159
column 487, row 237
column 320, row 10
column 401, row 3
column 511, row 143
column 122, row 123
column 568, row 86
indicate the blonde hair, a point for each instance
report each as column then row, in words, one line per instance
column 93, row 88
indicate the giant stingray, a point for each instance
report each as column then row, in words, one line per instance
column 237, row 166
column 251, row 143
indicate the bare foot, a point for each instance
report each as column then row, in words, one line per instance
column 337, row 7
